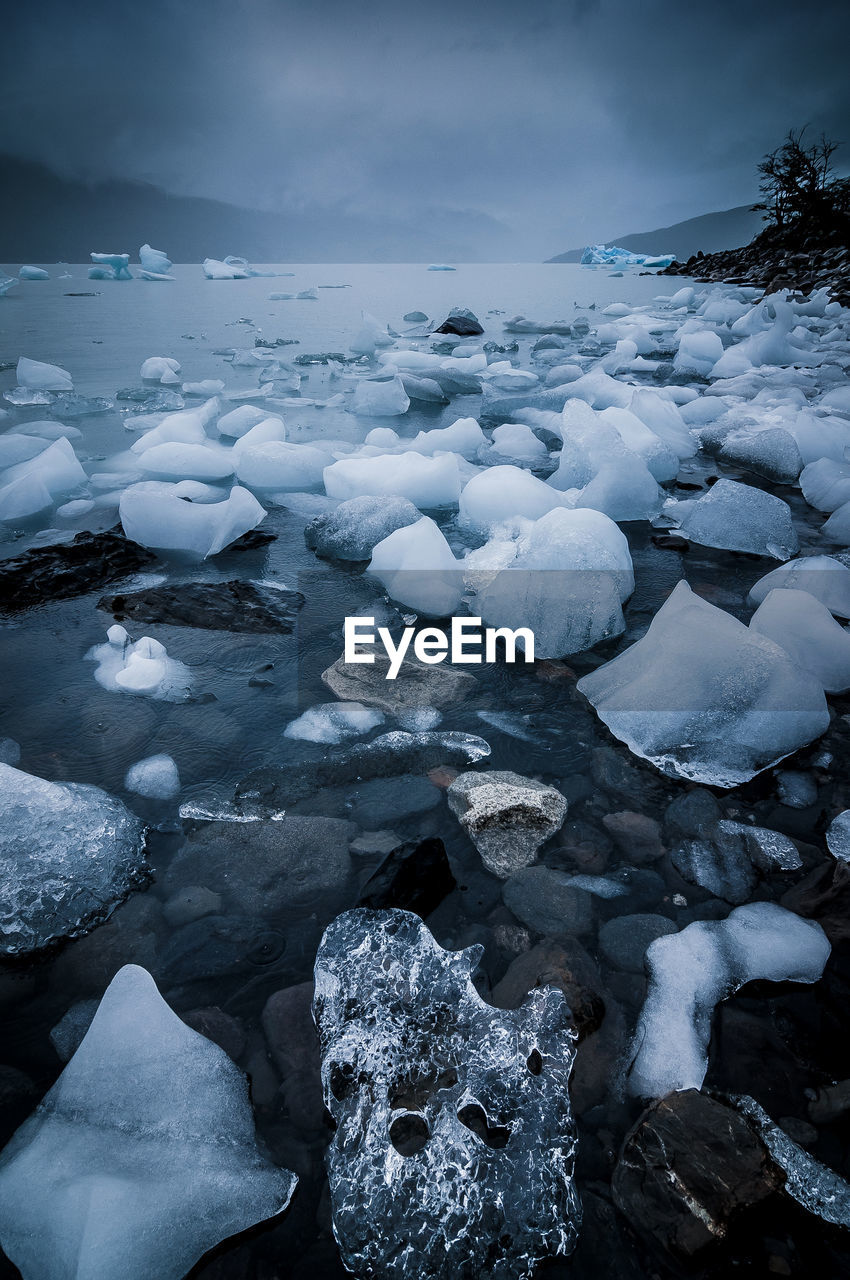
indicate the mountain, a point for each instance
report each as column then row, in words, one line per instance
column 45, row 218
column 727, row 229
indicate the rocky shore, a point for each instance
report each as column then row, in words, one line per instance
column 774, row 265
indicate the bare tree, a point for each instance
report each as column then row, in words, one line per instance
column 796, row 179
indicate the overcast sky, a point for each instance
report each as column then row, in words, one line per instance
column 567, row 121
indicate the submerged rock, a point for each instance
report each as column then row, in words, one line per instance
column 507, row 817
column 141, row 1157
column 728, row 860
column 687, row 1169
column 69, row 853
column 416, row 685
column 454, row 1146
column 235, row 606
column 412, row 877
column 69, row 569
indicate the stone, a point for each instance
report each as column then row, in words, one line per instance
column 565, row 966
column 234, row 606
column 693, row 813
column 294, row 1046
column 461, row 321
column 507, row 817
column 623, row 940
column 416, row 685
column 370, row 844
column 687, row 1169
column 191, row 903
column 413, row 877
column 637, row 836
column 69, row 569
column 548, row 904
column 216, row 1025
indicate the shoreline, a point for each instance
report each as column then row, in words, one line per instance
column 773, row 267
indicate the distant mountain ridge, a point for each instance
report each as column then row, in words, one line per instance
column 711, row 232
column 46, row 218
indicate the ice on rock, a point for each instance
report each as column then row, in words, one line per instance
column 28, row 272
column 155, row 261
column 727, row 859
column 279, row 465
column 143, row 669
column 380, row 397
column 160, row 369
column 112, row 266
column 502, row 495
column 565, row 578
column 704, row 697
column 417, row 567
column 808, row 633
column 175, row 460
column 454, row 1143
column 333, row 722
column 35, row 375
column 351, row 530
column 838, row 836
column 426, row 482
column 154, row 514
column 737, row 517
column 69, row 853
column 155, row 777
column 691, row 971
column 518, row 442
column 141, row 1157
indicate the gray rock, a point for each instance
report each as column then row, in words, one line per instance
column 637, row 836
column 372, row 844
column 461, row 321
column 507, row 817
column 352, row 529
column 68, row 855
column 692, row 814
column 547, row 903
column 68, row 1033
column 416, row 685
column 623, row 940
column 392, row 799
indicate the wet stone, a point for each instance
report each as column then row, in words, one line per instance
column 235, row 606
column 68, row 569
column 545, row 901
column 623, row 940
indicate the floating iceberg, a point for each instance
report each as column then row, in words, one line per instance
column 279, row 465
column 141, row 1157
column 28, row 272
column 155, row 777
column 333, row 722
column 143, row 668
column 155, row 262
column 600, row 255
column 352, row 529
column 702, row 696
column 35, row 375
column 175, row 460
column 454, row 1145
column 154, row 514
column 690, row 971
column 214, row 269
column 68, row 855
column 503, row 495
column 380, row 397
column 161, row 369
column 112, row 266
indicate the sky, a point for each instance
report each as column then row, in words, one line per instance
column 562, row 122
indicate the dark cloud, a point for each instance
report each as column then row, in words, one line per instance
column 566, row 121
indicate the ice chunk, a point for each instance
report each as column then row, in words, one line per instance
column 143, row 668
column 28, row 272
column 699, row 351
column 690, row 971
column 426, row 482
column 380, row 397
column 826, row 484
column 177, row 461
column 601, row 255
column 332, row 722
column 56, row 468
column 417, row 567
column 661, row 461
column 23, row 498
column 280, row 465
column 566, row 580
column 239, row 421
column 808, row 633
column 595, row 458
column 154, row 261
column 454, row 1143
column 738, row 517
column 504, row 494
column 214, row 269
column 371, row 335
column 141, row 1157
column 838, row 836
column 823, row 577
column 356, row 526
column 265, row 431
column 6, row 283
column 154, row 514
column 664, row 418
column 16, row 448
column 773, row 453
column 206, row 387
column 37, row 376
column 160, row 369
column 518, row 442
column 726, row 861
column 463, row 437
column 704, row 697
column 68, row 854
column 155, row 777
column 117, row 263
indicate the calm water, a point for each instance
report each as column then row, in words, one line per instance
column 71, row 729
